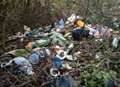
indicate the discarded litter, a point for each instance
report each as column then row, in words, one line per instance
column 67, row 46
column 115, row 42
column 19, row 52
column 58, row 38
column 39, row 55
column 22, row 65
column 57, row 62
column 54, row 72
column 42, row 43
column 61, row 24
column 66, row 81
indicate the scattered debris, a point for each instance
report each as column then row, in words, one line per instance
column 58, row 56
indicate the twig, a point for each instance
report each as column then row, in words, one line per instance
column 23, row 84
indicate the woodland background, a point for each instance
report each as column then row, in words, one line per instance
column 14, row 14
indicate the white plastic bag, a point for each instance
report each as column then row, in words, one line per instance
column 115, row 42
column 24, row 65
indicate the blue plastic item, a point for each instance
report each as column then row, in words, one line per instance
column 61, row 24
column 63, row 81
column 38, row 56
column 57, row 63
column 111, row 83
column 34, row 58
column 66, row 81
column 30, row 34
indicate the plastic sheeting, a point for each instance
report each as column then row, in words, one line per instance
column 63, row 81
column 23, row 65
column 57, row 37
column 66, row 81
column 42, row 43
column 115, row 42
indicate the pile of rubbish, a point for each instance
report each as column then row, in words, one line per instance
column 68, row 53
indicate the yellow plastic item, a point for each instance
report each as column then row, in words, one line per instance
column 80, row 24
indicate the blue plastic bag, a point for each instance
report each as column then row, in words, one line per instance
column 34, row 58
column 111, row 83
column 61, row 24
column 38, row 56
column 57, row 62
column 66, row 81
column 62, row 81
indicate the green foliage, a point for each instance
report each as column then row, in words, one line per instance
column 111, row 23
column 22, row 52
column 105, row 44
column 95, row 19
column 105, row 21
column 14, row 14
column 115, row 62
column 96, row 76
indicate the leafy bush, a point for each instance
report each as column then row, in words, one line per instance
column 97, row 77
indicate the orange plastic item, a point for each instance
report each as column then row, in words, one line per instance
column 80, row 23
column 29, row 45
